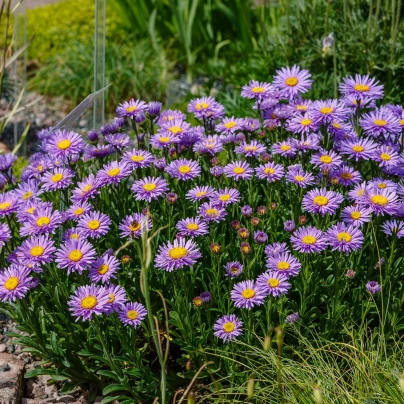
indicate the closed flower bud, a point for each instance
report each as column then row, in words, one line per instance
column 267, row 343
column 350, row 273
column 255, row 221
column 261, row 210
column 214, row 161
column 197, row 301
column 273, row 206
column 302, row 219
column 171, row 197
column 188, row 366
column 245, row 248
column 235, row 224
column 250, row 388
column 265, row 157
column 243, row 233
column 125, row 259
column 215, row 248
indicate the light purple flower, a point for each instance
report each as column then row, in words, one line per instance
column 14, row 283
column 228, row 328
column 285, row 263
column 239, row 170
column 322, row 201
column 133, row 225
column 211, row 212
column 199, row 193
column 132, row 314
column 149, row 188
column 63, row 143
column 308, row 240
column 292, row 81
column 233, row 269
column 183, row 169
column 344, row 238
column 274, row 282
column 75, row 255
column 247, row 294
column 88, row 301
column 104, row 269
column 192, row 227
column 373, row 287
column 131, row 108
column 94, row 224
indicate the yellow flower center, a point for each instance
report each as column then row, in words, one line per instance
column 93, row 224
column 131, row 108
column 361, row 87
column 88, row 188
column 230, row 125
column 224, row 197
column 228, row 327
column 74, row 236
column 137, row 159
column 357, row 148
column 27, row 195
column 326, row 159
column 299, row 178
column 164, row 139
column 57, row 177
column 184, row 169
column 361, row 192
column 309, row 240
column 37, row 251
column 212, row 212
column 178, row 253
column 31, row 210
column 385, row 156
column 380, row 122
column 258, row 90
column 132, row 314
column 283, row 265
column 402, row 122
column 320, row 200
column 346, row 176
column 248, row 293
column 381, row 185
column 192, row 226
column 149, row 187
column 136, row 227
column 344, row 236
column 79, row 211
column 336, row 125
column 64, row 144
column 269, row 170
column 238, row 170
column 43, row 221
column 250, row 148
column 11, row 283
column 200, row 193
column 285, row 147
column 89, row 302
column 4, row 205
column 272, row 282
column 103, row 269
column 75, row 255
column 291, row 81
column 111, row 298
column 379, row 200
column 355, row 215
column 113, row 172
column 40, row 168
column 234, row 270
column 202, row 105
column 175, row 129
column 301, row 107
column 306, row 122
column 326, row 110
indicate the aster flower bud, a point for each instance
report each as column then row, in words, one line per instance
column 214, row 161
column 197, row 301
column 292, row 318
column 206, row 297
column 173, row 152
column 140, row 118
column 273, row 206
column 265, row 157
column 245, row 247
column 243, row 233
column 261, row 210
column 171, row 197
column 302, row 219
column 350, row 273
column 235, row 224
column 262, row 135
column 215, row 248
column 125, row 259
column 160, row 163
column 217, row 171
column 373, row 287
column 246, row 211
column 289, row 225
column 154, row 108
column 255, row 221
column 92, row 135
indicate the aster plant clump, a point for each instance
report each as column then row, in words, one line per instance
column 136, row 250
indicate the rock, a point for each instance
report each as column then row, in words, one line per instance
column 11, row 382
column 28, row 401
column 3, row 348
column 5, row 367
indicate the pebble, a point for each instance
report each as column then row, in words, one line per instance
column 3, row 347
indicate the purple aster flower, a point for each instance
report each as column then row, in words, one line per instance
column 239, row 170
column 59, row 178
column 77, row 210
column 75, row 255
column 192, row 227
column 6, row 161
column 257, row 90
column 208, row 145
column 357, row 195
column 100, row 150
column 344, row 238
column 346, row 176
column 5, row 234
column 206, row 297
column 358, row 149
column 326, row 160
column 251, row 149
column 274, row 283
column 385, row 156
column 289, row 225
column 117, row 298
column 119, row 140
column 88, row 301
column 113, row 173
column 325, row 112
column 131, row 108
column 37, row 250
column 217, row 171
column 133, row 225
column 322, row 201
column 233, row 269
column 292, row 318
column 171, row 115
column 381, row 201
column 292, row 81
column 177, row 128
column 224, row 197
column 160, row 164
column 183, row 169
column 92, row 136
column 286, row 263
column 72, row 234
column 340, row 129
column 86, row 189
column 309, row 142
column 94, row 224
column 43, row 220
column 229, row 126
column 270, row 171
column 205, row 108
column 14, row 283
column 275, row 249
column 373, row 287
column 308, row 240
column 199, row 193
column 382, row 183
column 149, row 188
column 211, row 212
column 138, row 158
column 260, row 237
column 302, row 124
column 28, row 191
column 154, row 108
column 113, row 127
column 64, row 144
column 356, row 215
column 247, row 294
column 393, row 227
column 285, row 149
column 298, row 176
column 380, row 122
column 8, row 203
column 228, row 328
column 104, row 268
column 163, row 140
column 361, row 86
column 132, row 314
column 176, row 255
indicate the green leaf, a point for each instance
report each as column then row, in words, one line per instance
column 113, row 387
column 37, row 372
column 108, row 399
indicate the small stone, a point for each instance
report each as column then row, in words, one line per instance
column 5, row 367
column 3, row 347
column 10, row 348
